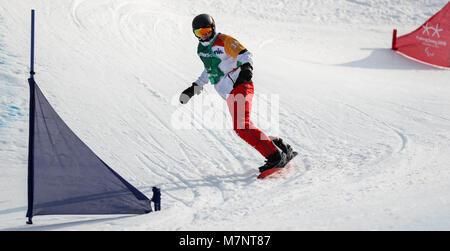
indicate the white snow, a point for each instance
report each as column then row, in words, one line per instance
column 372, row 127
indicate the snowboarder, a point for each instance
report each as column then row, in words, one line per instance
column 229, row 67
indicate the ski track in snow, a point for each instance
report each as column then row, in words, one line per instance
column 372, row 137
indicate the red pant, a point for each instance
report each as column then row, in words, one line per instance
column 240, row 105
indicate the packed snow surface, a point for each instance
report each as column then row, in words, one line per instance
column 372, row 127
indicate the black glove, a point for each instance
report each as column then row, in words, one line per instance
column 245, row 76
column 189, row 92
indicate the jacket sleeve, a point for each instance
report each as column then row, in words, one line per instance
column 203, row 79
column 245, row 57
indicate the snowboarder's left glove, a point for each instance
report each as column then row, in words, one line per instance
column 245, row 76
column 187, row 94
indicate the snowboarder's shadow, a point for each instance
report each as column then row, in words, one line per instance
column 212, row 181
column 243, row 179
column 387, row 59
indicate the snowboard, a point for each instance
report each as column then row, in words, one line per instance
column 277, row 172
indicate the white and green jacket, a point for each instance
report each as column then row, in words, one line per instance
column 222, row 56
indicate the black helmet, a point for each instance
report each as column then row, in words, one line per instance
column 204, row 21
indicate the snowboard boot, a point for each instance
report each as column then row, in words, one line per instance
column 277, row 159
column 286, row 148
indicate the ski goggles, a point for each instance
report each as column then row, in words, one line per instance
column 202, row 31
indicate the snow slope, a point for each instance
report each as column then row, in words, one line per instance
column 372, row 127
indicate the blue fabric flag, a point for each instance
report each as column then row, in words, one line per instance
column 65, row 176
